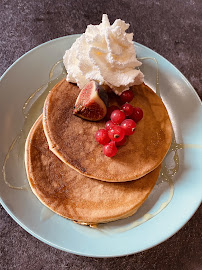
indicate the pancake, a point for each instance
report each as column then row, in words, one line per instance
column 75, row 196
column 72, row 139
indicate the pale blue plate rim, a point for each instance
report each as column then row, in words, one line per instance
column 170, row 234
column 150, row 245
column 136, row 44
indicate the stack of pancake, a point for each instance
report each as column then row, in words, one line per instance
column 68, row 171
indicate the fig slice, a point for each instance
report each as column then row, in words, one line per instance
column 91, row 103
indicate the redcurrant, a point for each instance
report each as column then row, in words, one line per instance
column 110, row 149
column 127, row 96
column 109, row 124
column 117, row 117
column 122, row 142
column 102, row 137
column 129, row 126
column 127, row 108
column 110, row 110
column 137, row 114
column 116, row 133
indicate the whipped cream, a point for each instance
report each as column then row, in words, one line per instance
column 104, row 53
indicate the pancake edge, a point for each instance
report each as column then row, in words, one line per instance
column 81, row 222
column 53, row 147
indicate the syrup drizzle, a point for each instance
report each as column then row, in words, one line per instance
column 24, row 187
column 157, row 72
column 46, row 213
column 166, row 174
column 32, row 109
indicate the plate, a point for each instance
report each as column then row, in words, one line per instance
column 165, row 211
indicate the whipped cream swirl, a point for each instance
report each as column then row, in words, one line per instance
column 104, row 53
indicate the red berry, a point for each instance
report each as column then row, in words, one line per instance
column 116, row 133
column 102, row 137
column 109, row 124
column 117, row 117
column 127, row 108
column 129, row 126
column 122, row 142
column 110, row 149
column 137, row 114
column 127, row 96
column 110, row 110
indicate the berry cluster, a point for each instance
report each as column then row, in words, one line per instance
column 121, row 123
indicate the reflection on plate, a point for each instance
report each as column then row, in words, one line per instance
column 176, row 195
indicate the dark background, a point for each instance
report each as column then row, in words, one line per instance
column 171, row 28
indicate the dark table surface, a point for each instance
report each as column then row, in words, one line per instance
column 171, row 28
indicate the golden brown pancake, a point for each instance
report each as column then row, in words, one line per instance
column 72, row 139
column 77, row 197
